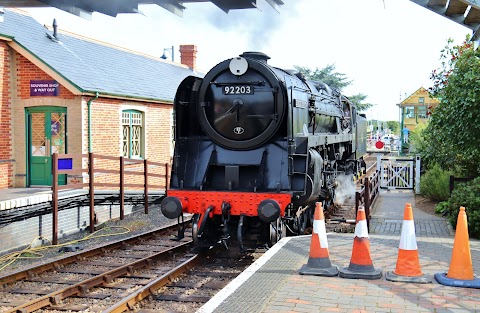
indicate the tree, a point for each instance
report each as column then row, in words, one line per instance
column 335, row 80
column 453, row 134
column 327, row 75
column 358, row 101
column 394, row 126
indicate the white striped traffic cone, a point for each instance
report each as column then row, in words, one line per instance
column 408, row 265
column 319, row 260
column 361, row 265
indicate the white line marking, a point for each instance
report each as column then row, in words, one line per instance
column 214, row 302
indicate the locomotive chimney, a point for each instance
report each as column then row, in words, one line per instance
column 259, row 56
column 188, row 55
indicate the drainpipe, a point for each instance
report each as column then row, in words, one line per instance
column 89, row 105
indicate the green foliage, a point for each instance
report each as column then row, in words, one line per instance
column 335, row 80
column 442, row 207
column 358, row 101
column 453, row 134
column 435, row 184
column 418, row 144
column 394, row 126
column 466, row 195
column 327, row 75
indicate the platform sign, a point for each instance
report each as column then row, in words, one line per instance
column 65, row 164
column 44, row 88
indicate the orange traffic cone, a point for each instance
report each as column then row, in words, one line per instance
column 319, row 261
column 361, row 265
column 408, row 265
column 460, row 273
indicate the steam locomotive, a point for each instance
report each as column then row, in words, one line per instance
column 255, row 147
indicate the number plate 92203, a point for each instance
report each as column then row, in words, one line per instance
column 237, row 90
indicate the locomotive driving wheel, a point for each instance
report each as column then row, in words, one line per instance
column 195, row 229
column 278, row 230
column 300, row 221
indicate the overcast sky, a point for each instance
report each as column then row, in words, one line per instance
column 387, row 47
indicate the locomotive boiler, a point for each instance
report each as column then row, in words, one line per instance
column 255, row 147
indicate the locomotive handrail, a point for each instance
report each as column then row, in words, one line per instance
column 258, row 83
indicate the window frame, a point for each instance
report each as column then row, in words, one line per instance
column 132, row 123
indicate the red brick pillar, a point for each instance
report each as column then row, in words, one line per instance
column 188, row 55
column 6, row 162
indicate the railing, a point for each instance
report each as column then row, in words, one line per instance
column 368, row 194
column 66, row 162
column 454, row 179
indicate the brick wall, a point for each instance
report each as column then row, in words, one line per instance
column 6, row 156
column 106, row 126
column 27, row 71
column 22, row 72
column 107, row 138
column 19, row 234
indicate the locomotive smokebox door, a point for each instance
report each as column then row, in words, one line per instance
column 241, row 102
column 238, row 66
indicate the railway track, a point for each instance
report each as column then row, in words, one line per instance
column 342, row 217
column 194, row 288
column 146, row 272
column 99, row 277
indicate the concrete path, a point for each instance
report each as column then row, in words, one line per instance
column 387, row 217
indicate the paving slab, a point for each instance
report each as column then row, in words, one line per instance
column 273, row 285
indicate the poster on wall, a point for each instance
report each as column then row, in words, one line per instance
column 44, row 88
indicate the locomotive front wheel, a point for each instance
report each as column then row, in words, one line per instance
column 278, row 230
column 196, row 218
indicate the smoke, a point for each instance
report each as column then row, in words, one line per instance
column 255, row 25
column 345, row 189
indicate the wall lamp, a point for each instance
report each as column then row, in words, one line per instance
column 167, row 50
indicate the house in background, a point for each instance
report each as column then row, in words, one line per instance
column 417, row 108
column 65, row 93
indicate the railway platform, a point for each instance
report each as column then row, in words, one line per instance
column 273, row 285
column 17, row 197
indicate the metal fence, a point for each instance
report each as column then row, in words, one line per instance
column 368, row 194
column 63, row 164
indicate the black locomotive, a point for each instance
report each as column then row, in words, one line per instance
column 255, row 147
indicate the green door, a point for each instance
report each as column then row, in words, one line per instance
column 46, row 128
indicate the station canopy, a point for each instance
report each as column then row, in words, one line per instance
column 85, row 8
column 464, row 12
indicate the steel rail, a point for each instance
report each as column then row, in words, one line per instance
column 16, row 276
column 83, row 286
column 129, row 301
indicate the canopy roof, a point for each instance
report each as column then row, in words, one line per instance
column 85, row 8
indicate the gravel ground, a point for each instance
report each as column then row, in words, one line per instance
column 137, row 223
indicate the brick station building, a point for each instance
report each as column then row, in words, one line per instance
column 65, row 93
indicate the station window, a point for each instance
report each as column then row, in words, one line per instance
column 132, row 134
column 409, row 112
column 421, row 99
column 422, row 112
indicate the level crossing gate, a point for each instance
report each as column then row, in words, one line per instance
column 399, row 172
